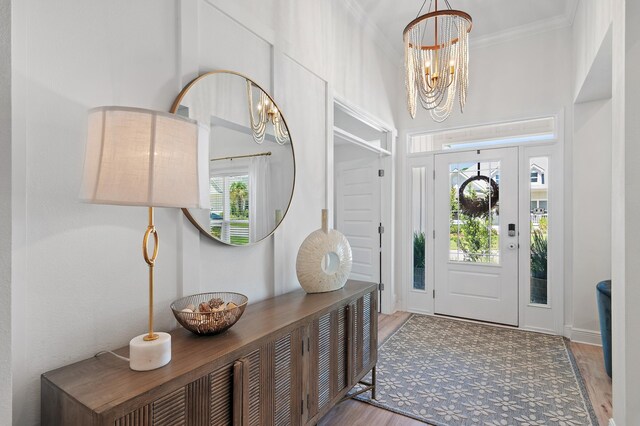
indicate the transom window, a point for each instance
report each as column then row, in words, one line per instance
column 486, row 136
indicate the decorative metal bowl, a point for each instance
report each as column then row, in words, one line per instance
column 219, row 319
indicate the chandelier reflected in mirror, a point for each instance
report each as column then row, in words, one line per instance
column 436, row 55
column 263, row 113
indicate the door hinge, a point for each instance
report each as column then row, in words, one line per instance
column 434, row 234
column 434, row 293
column 434, row 173
column 381, row 173
column 308, row 404
column 381, row 286
column 301, row 406
column 308, row 344
column 380, row 229
column 302, row 346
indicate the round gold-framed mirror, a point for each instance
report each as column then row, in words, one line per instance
column 252, row 165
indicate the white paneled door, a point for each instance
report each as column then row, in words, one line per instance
column 358, row 215
column 476, row 235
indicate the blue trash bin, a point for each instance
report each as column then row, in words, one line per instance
column 604, row 310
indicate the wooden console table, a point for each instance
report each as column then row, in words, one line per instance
column 287, row 361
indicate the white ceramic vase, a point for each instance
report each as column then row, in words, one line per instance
column 324, row 259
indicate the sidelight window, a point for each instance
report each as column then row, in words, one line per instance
column 418, row 216
column 539, row 231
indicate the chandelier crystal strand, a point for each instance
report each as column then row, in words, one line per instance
column 448, row 86
column 259, row 126
column 410, row 74
column 463, row 62
column 437, row 71
column 267, row 112
column 282, row 134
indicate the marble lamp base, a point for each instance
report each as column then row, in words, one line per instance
column 149, row 355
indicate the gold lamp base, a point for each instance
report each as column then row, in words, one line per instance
column 151, row 350
column 151, row 338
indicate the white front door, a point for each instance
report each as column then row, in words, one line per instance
column 476, row 241
column 358, row 214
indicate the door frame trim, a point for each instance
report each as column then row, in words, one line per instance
column 536, row 318
column 419, row 301
column 544, row 318
column 388, row 190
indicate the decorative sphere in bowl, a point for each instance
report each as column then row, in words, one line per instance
column 209, row 313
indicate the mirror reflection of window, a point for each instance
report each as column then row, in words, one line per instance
column 229, row 215
column 242, row 202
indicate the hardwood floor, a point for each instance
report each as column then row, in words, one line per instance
column 591, row 364
column 588, row 358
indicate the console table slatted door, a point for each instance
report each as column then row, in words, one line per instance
column 343, row 350
column 288, row 361
column 221, row 395
column 367, row 333
column 274, row 384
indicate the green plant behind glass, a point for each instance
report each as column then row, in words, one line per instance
column 477, row 238
column 475, row 235
column 239, row 200
column 543, row 224
column 418, row 249
column 538, row 255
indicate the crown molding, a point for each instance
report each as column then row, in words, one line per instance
column 537, row 27
column 372, row 29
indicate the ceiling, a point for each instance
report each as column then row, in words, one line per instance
column 491, row 18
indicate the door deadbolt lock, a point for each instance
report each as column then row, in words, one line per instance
column 512, row 229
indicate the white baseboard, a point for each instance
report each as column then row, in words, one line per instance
column 581, row 335
column 419, row 311
column 539, row 330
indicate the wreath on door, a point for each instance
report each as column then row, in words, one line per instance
column 479, row 206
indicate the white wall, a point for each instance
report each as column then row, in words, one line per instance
column 79, row 265
column 5, row 210
column 591, row 192
column 590, row 25
column 511, row 79
column 625, row 244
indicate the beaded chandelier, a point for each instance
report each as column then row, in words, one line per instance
column 436, row 60
column 267, row 112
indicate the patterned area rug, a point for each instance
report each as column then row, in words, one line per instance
column 447, row 372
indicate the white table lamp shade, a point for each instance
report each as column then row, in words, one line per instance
column 145, row 158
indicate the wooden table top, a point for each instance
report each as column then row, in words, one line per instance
column 103, row 382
